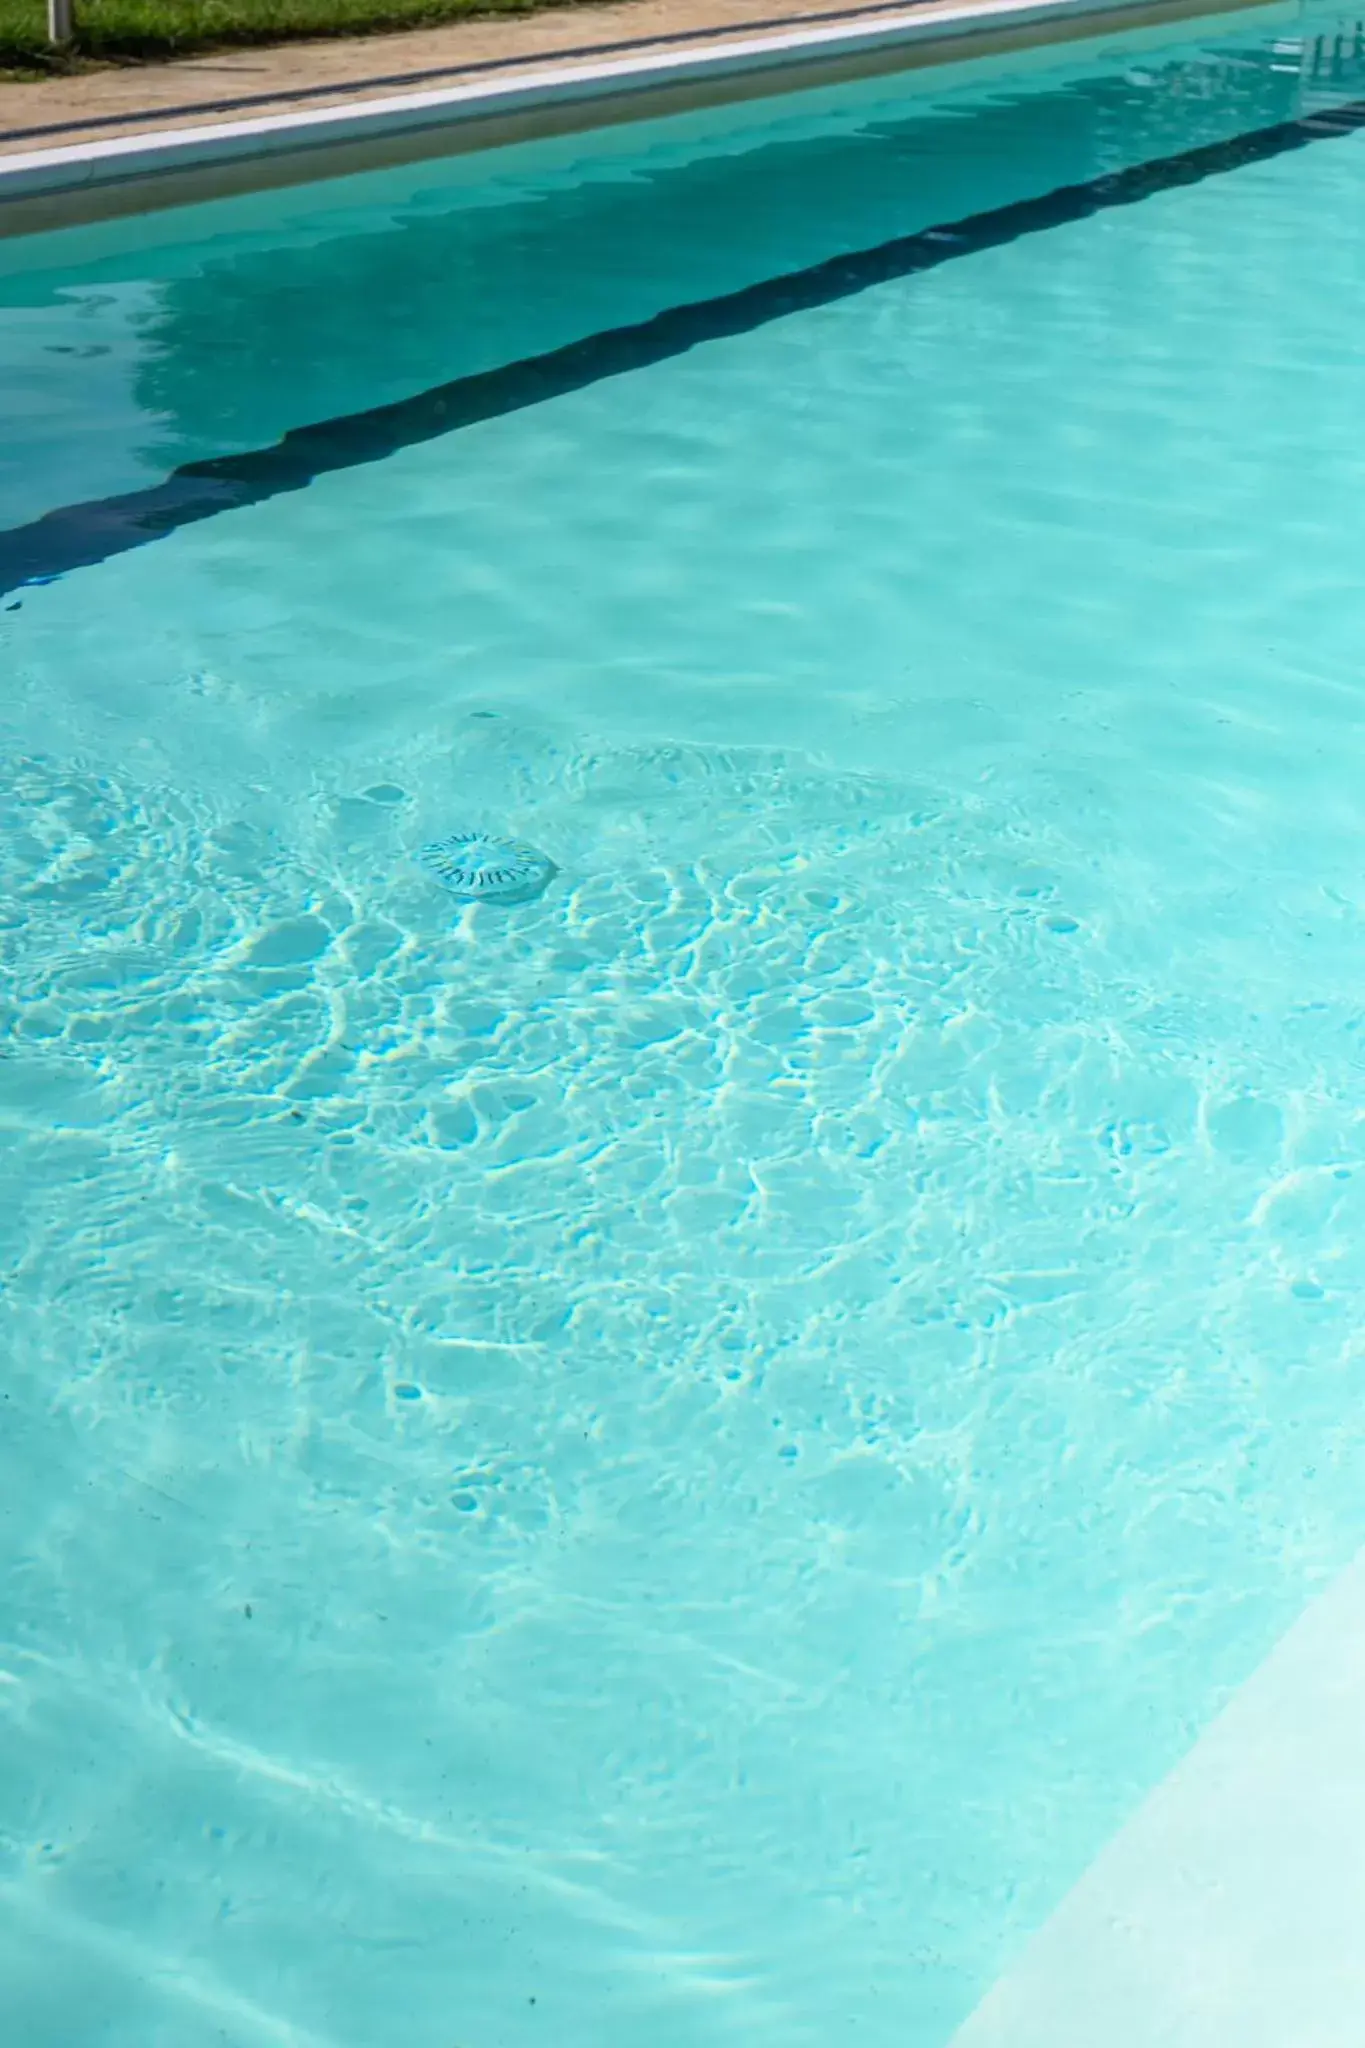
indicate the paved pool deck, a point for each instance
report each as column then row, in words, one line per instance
column 307, row 78
column 128, row 100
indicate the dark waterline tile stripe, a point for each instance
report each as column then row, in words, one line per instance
column 78, row 536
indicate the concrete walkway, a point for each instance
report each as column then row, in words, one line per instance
column 240, row 84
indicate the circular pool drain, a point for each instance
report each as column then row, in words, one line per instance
column 477, row 868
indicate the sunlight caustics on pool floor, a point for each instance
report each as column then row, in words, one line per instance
column 692, row 1459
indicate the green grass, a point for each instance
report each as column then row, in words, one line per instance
column 124, row 31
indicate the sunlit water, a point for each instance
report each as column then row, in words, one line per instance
column 663, row 1465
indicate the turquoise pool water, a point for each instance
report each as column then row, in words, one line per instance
column 667, row 1463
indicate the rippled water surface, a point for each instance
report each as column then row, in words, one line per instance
column 664, row 1464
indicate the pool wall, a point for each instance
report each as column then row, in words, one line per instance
column 45, row 189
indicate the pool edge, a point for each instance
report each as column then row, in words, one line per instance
column 73, row 185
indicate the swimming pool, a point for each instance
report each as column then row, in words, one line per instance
column 668, row 1462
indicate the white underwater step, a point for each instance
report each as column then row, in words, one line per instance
column 1230, row 1911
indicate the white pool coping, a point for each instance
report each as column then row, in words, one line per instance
column 49, row 173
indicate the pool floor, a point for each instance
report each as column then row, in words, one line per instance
column 670, row 1463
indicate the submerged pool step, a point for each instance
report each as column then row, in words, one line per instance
column 1231, row 1908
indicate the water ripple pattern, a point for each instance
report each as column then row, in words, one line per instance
column 666, row 1463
